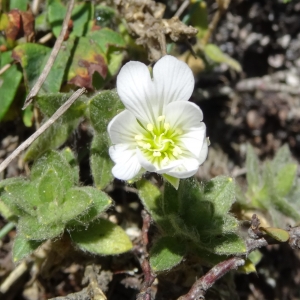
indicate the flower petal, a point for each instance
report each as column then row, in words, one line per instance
column 127, row 164
column 183, row 115
column 135, row 88
column 150, row 167
column 187, row 168
column 123, row 128
column 193, row 139
column 173, row 80
column 203, row 154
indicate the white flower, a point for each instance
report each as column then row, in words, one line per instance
column 159, row 131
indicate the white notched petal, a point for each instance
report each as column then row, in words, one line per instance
column 127, row 163
column 135, row 88
column 187, row 168
column 123, row 128
column 183, row 115
column 203, row 154
column 173, row 80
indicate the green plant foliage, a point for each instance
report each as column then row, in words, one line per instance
column 107, row 38
column 69, row 156
column 23, row 247
column 18, row 4
column 99, row 202
column 81, row 14
column 54, row 160
column 197, row 214
column 101, row 164
column 33, row 58
column 273, row 187
column 104, row 15
column 166, row 253
column 50, row 201
column 214, row 53
column 198, row 17
column 31, row 229
column 88, row 59
column 102, row 108
column 59, row 132
column 276, row 233
column 111, row 42
column 9, row 83
column 102, row 237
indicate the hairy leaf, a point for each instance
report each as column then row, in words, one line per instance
column 102, row 237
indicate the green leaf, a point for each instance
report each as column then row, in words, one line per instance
column 22, row 248
column 252, row 166
column 100, row 202
column 57, row 133
column 107, row 38
column 151, row 198
column 51, row 102
column 52, row 138
column 88, row 60
column 220, row 191
column 102, row 108
column 24, row 195
column 69, row 156
column 28, row 116
column 248, row 267
column 171, row 200
column 104, row 16
column 50, row 188
column 81, row 14
column 6, row 212
column 227, row 244
column 100, row 162
column 283, row 156
column 115, row 60
column 285, row 179
column 276, row 233
column 33, row 58
column 217, row 55
column 9, row 209
column 18, row 4
column 166, row 253
column 172, row 180
column 9, row 83
column 199, row 17
column 110, row 42
column 76, row 202
column 102, row 237
column 31, row 229
column 54, row 160
column 283, row 206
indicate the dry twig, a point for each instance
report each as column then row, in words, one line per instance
column 201, row 286
column 5, row 68
column 52, row 56
column 182, row 8
column 149, row 276
column 222, row 7
column 33, row 137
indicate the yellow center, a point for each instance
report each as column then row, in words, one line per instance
column 160, row 142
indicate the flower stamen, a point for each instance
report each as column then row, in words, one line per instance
column 161, row 118
column 150, row 127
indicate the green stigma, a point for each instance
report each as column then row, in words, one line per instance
column 160, row 142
